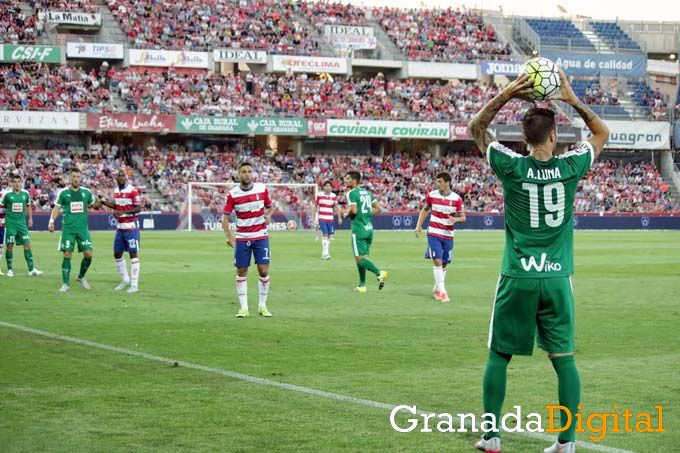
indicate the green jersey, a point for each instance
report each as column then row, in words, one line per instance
column 363, row 220
column 539, row 209
column 16, row 205
column 74, row 205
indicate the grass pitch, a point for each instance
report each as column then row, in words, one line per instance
column 396, row 346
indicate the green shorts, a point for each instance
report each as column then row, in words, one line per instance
column 361, row 243
column 17, row 235
column 69, row 239
column 528, row 308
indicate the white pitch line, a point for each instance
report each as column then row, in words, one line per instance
column 269, row 382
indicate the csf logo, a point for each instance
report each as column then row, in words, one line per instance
column 292, row 225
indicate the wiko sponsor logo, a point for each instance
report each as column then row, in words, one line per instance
column 543, row 266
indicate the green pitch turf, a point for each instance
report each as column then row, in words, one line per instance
column 397, row 346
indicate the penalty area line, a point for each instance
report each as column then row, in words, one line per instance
column 268, row 382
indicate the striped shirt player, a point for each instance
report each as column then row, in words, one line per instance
column 446, row 209
column 127, row 204
column 325, row 205
column 253, row 207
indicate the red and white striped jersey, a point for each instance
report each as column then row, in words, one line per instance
column 2, row 211
column 443, row 207
column 249, row 206
column 126, row 199
column 326, row 203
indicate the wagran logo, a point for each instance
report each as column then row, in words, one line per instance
column 543, row 266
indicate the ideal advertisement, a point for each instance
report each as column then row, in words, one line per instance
column 131, row 123
column 511, row 68
column 97, row 51
column 594, row 64
column 284, row 63
column 42, row 54
column 168, row 58
column 350, row 36
column 388, row 129
column 635, row 134
column 55, row 121
column 74, row 19
column 240, row 56
column 242, row 125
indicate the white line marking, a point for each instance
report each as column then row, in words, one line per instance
column 262, row 381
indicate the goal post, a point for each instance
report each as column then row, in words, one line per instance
column 205, row 200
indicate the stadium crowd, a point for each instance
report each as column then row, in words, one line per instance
column 186, row 25
column 400, row 181
column 16, row 27
column 332, row 13
column 45, row 172
column 451, row 35
column 35, row 86
column 32, row 86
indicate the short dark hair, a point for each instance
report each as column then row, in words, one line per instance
column 327, row 182
column 445, row 176
column 75, row 170
column 15, row 176
column 244, row 164
column 537, row 124
column 355, row 175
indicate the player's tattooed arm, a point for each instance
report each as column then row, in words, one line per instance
column 598, row 128
column 520, row 88
column 480, row 123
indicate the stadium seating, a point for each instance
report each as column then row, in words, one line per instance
column 399, row 181
column 15, row 26
column 80, row 6
column 654, row 101
column 45, row 172
column 614, row 35
column 440, row 34
column 31, row 86
column 254, row 24
column 559, row 33
column 321, row 13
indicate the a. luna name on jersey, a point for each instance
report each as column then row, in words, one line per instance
column 544, row 174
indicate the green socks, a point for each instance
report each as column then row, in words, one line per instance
column 495, row 378
column 362, row 275
column 9, row 256
column 569, row 393
column 66, row 270
column 28, row 254
column 368, row 265
column 84, row 266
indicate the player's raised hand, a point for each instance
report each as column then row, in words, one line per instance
column 520, row 88
column 566, row 92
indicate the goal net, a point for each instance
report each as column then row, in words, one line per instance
column 205, row 201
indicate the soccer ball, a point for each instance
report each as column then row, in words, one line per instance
column 545, row 76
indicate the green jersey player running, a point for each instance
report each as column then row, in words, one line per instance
column 18, row 208
column 361, row 207
column 534, row 297
column 74, row 201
